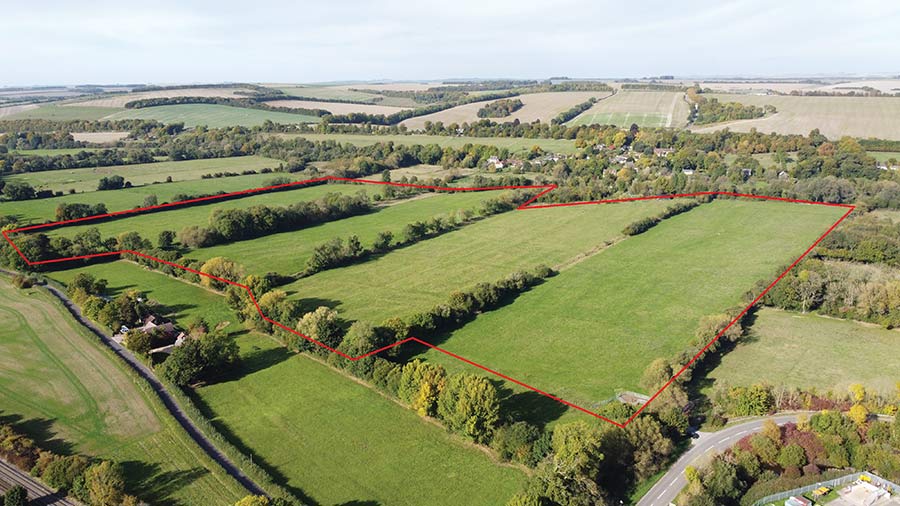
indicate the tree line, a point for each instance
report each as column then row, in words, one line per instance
column 500, row 108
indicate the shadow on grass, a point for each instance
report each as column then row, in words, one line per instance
column 40, row 430
column 527, row 406
column 148, row 481
column 256, row 360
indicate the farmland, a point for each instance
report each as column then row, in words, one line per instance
column 590, row 331
column 833, row 116
column 516, row 145
column 213, row 116
column 63, row 388
column 118, row 101
column 337, row 107
column 85, row 180
column 62, row 113
column 542, row 106
column 812, row 352
column 645, row 108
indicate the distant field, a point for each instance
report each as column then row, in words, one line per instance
column 85, row 180
column 833, row 116
column 810, row 351
column 63, row 113
column 213, row 116
column 119, row 101
column 514, row 144
column 337, row 107
column 884, row 156
column 64, row 386
column 542, row 106
column 326, row 92
column 51, row 152
column 645, row 108
column 342, row 443
column 99, row 137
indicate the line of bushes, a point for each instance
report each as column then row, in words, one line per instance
column 245, row 103
column 644, row 224
column 574, row 111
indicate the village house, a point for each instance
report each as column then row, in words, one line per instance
column 783, row 174
column 156, row 324
column 687, row 171
column 663, row 152
column 620, row 159
column 495, row 162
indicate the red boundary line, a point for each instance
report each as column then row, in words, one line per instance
column 526, row 205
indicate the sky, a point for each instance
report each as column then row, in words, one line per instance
column 279, row 41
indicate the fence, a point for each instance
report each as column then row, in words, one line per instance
column 833, row 483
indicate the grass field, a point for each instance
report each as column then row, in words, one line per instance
column 326, row 92
column 419, row 276
column 542, row 106
column 592, row 330
column 64, row 113
column 514, row 144
column 73, row 396
column 85, row 180
column 51, row 152
column 811, row 351
column 833, row 116
column 884, row 156
column 342, row 443
column 213, row 116
column 119, row 100
column 337, row 107
column 645, row 108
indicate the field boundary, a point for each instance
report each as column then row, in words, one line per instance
column 527, row 205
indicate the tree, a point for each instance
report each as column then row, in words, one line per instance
column 324, row 325
column 222, row 268
column 16, row 496
column 383, row 240
column 200, row 358
column 15, row 190
column 166, row 239
column 150, row 201
column 420, row 385
column 858, row 391
column 792, row 455
column 764, row 448
column 105, row 483
column 859, row 414
column 524, row 499
column 651, row 446
column 469, row 404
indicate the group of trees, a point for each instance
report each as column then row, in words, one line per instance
column 574, row 111
column 129, row 308
column 93, row 482
column 66, row 211
column 114, row 182
column 500, row 108
column 201, row 358
column 710, row 110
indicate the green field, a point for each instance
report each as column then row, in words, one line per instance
column 645, row 108
column 328, row 93
column 51, row 152
column 811, row 351
column 622, row 119
column 884, row 156
column 592, row 330
column 64, row 113
column 343, row 443
column 85, row 180
column 63, row 388
column 516, row 145
column 211, row 115
column 424, row 274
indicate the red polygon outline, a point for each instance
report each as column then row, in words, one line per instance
column 525, row 206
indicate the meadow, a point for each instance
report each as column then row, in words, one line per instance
column 85, row 180
column 326, row 92
column 211, row 115
column 645, row 108
column 833, row 116
column 337, row 107
column 592, row 330
column 118, row 101
column 419, row 276
column 515, row 145
column 61, row 387
column 51, row 152
column 64, row 113
column 339, row 442
column 538, row 106
column 812, row 352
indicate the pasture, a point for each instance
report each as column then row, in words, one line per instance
column 812, row 352
column 341, row 443
column 591, row 331
column 56, row 112
column 645, row 108
column 833, row 116
column 516, row 145
column 61, row 387
column 417, row 277
column 211, row 115
column 337, row 107
column 118, row 101
column 85, row 180
column 538, row 106
column 51, row 152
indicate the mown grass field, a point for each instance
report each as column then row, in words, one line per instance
column 128, row 198
column 60, row 386
column 342, row 443
column 424, row 274
column 85, row 180
column 514, row 144
column 811, row 351
column 833, row 116
column 645, row 108
column 592, row 330
column 51, row 152
column 151, row 224
column 211, row 115
column 64, row 113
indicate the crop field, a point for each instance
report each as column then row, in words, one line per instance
column 419, row 276
column 833, row 116
column 516, row 145
column 337, row 107
column 63, row 113
column 119, row 101
column 645, row 108
column 58, row 384
column 85, row 180
column 99, row 137
column 326, row 92
column 211, row 115
column 542, row 106
column 51, row 152
column 342, row 443
column 811, row 351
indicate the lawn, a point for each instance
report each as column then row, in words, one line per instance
column 645, row 108
column 85, row 180
column 211, row 115
column 64, row 113
column 342, row 443
column 811, row 351
column 592, row 330
column 64, row 389
column 516, row 145
column 422, row 275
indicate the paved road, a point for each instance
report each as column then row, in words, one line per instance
column 38, row 494
column 167, row 398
